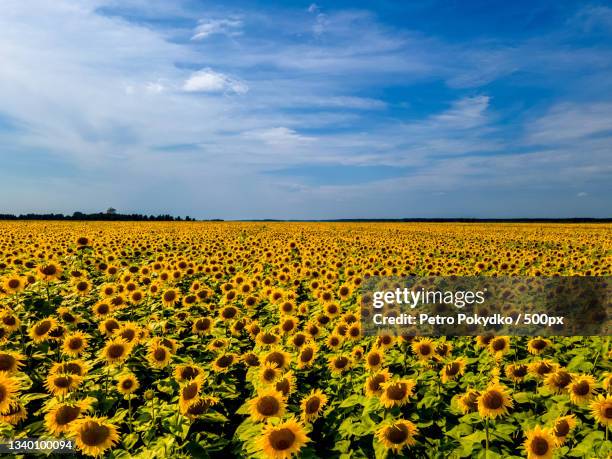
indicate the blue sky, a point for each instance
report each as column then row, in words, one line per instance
column 283, row 109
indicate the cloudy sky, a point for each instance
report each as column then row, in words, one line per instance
column 278, row 109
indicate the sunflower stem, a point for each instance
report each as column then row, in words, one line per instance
column 130, row 412
column 486, row 438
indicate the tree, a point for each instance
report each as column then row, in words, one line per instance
column 111, row 211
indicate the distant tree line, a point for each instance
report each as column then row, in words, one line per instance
column 103, row 216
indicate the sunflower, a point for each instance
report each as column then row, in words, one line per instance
column 374, row 359
column 494, row 401
column 9, row 387
column 267, row 338
column 200, row 407
column 312, row 405
column 218, row 344
column 16, row 413
column 396, row 393
column 60, row 416
column 558, row 380
column 453, row 369
column 9, row 321
column 397, row 434
column 202, row 326
column 40, row 331
column 49, row 271
column 72, row 367
column 269, row 372
column 297, row 340
column 562, row 427
column 516, row 372
column 82, row 287
column 127, row 384
column 385, row 340
column 108, row 326
column 288, row 325
column 468, row 402
column 223, row 363
column 251, row 359
column 129, row 332
column 158, row 356
column 484, row 340
column 444, row 349
column 283, row 440
column 601, row 409
column 170, row 297
column 281, row 358
column 94, row 435
column 285, row 384
column 373, row 384
column 334, row 341
column 186, row 372
column 307, row 355
column 75, row 343
column 10, row 361
column 228, row 313
column 540, row 443
column 423, row 348
column 542, row 367
column 67, row 315
column 339, row 364
column 14, row 284
column 269, row 403
column 581, row 389
column 61, row 384
column 538, row 345
column 116, row 350
column 499, row 346
column 354, row 331
column 189, row 393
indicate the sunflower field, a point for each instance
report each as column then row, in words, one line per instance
column 141, row 340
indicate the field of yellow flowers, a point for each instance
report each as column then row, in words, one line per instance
column 244, row 340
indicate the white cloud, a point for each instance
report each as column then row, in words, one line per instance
column 571, row 121
column 313, row 8
column 280, row 136
column 207, row 27
column 465, row 113
column 154, row 87
column 207, row 80
column 582, row 194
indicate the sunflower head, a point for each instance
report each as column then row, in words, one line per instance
column 562, row 427
column 10, row 361
column 423, row 348
column 374, row 383
column 468, row 402
column 94, row 435
column 312, row 405
column 283, row 440
column 62, row 383
column 494, row 401
column 601, row 409
column 397, row 434
column 581, row 389
column 60, row 416
column 396, row 393
column 516, row 372
column 187, row 372
column 558, row 380
column 75, row 343
column 9, row 387
column 127, row 384
column 453, row 369
column 540, row 443
column 269, row 403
